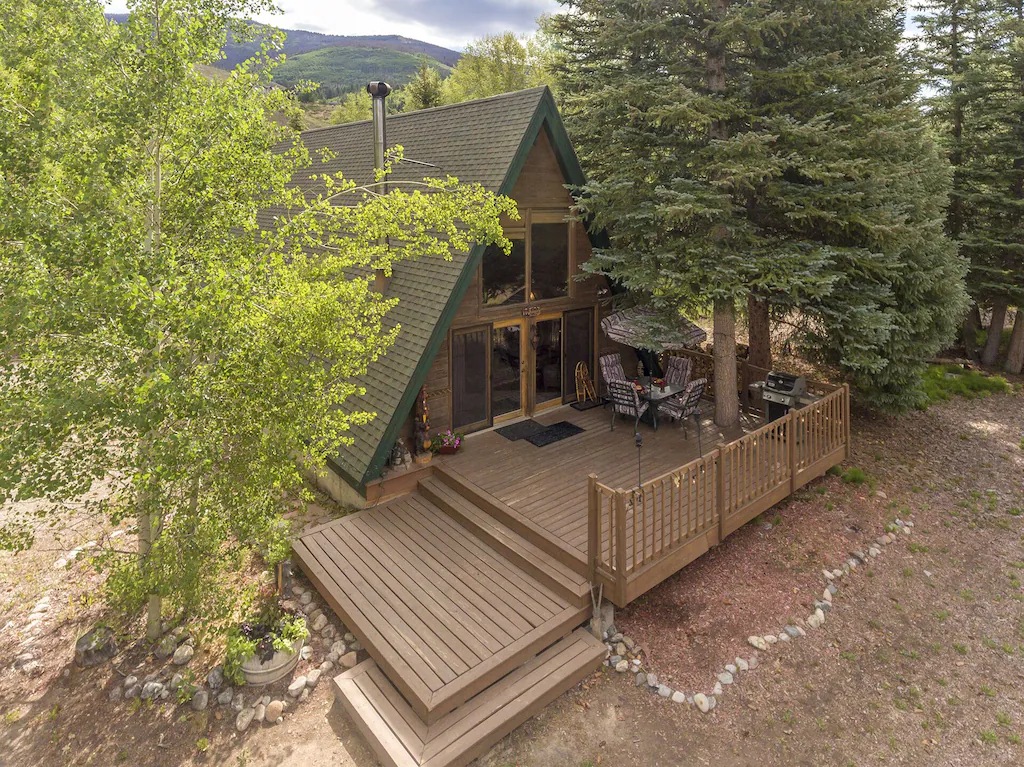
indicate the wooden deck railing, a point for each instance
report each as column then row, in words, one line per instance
column 640, row 536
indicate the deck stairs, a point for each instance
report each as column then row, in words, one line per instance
column 471, row 620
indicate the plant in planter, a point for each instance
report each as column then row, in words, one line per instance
column 265, row 649
column 447, row 442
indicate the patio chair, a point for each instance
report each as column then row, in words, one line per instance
column 611, row 368
column 678, row 370
column 687, row 405
column 625, row 399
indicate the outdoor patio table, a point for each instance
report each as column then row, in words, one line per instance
column 654, row 394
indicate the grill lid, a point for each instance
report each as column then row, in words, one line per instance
column 785, row 383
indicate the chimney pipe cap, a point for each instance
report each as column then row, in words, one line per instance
column 378, row 89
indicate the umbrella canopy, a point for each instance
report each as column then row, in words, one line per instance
column 641, row 328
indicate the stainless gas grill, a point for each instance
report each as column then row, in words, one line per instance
column 781, row 393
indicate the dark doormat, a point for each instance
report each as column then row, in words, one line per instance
column 554, row 433
column 521, row 430
column 586, row 405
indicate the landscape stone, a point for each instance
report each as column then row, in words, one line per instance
column 712, row 702
column 316, row 614
column 244, row 719
column 742, row 665
column 664, row 690
column 95, row 647
column 826, row 595
column 226, row 696
column 151, row 690
column 338, row 647
column 783, row 637
column 183, row 655
column 176, row 681
column 355, row 646
column 678, row 697
column 329, row 632
column 349, row 660
column 641, row 679
column 753, row 662
column 115, row 693
column 837, row 573
column 725, row 677
column 833, row 589
column 730, row 667
column 620, row 648
column 319, row 622
column 312, row 678
column 652, row 680
column 828, row 575
column 793, row 631
column 757, row 642
column 304, row 695
column 297, row 686
column 305, row 597
column 260, row 712
column 718, row 689
column 275, row 709
column 349, row 637
column 215, row 678
column 630, row 644
column 770, row 639
column 326, row 667
column 201, row 699
column 622, row 666
column 616, row 637
column 165, row 647
column 612, row 661
column 820, row 614
column 133, row 692
column 238, row 701
column 700, row 700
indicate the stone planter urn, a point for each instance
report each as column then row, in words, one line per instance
column 256, row 672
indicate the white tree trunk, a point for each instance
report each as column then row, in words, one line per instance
column 1015, row 355
column 990, row 354
column 727, row 404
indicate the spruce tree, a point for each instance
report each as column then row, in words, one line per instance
column 424, row 90
column 799, row 173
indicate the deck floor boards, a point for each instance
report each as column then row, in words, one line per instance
column 548, row 485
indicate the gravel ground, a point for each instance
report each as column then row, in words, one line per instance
column 920, row 662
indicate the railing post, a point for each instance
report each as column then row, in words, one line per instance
column 620, row 544
column 720, row 492
column 846, row 421
column 791, row 431
column 593, row 528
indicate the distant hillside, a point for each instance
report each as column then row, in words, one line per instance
column 340, row 70
column 341, row 63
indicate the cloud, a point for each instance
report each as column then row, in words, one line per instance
column 466, row 18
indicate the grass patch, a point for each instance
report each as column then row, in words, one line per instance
column 942, row 382
column 854, row 476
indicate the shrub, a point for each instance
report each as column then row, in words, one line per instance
column 854, row 476
column 941, row 382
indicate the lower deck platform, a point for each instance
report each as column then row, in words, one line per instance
column 440, row 612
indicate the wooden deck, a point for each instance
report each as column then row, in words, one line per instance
column 441, row 612
column 548, row 485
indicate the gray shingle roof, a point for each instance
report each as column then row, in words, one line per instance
column 475, row 141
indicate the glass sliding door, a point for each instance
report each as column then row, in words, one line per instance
column 579, row 347
column 547, row 378
column 470, row 384
column 506, row 371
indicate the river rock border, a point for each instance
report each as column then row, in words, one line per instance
column 330, row 646
column 623, row 654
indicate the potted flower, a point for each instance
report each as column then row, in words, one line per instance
column 266, row 648
column 447, row 443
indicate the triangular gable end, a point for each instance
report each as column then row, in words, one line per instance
column 545, row 118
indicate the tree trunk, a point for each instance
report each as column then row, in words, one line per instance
column 727, row 404
column 990, row 354
column 969, row 332
column 1015, row 355
column 147, row 536
column 759, row 333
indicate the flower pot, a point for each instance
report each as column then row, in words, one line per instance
column 447, row 450
column 257, row 672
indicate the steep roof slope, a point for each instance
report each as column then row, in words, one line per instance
column 484, row 142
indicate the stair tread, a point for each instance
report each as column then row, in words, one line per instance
column 578, row 584
column 401, row 739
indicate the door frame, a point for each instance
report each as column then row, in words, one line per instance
column 534, row 406
column 524, row 349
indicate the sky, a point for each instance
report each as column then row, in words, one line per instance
column 451, row 23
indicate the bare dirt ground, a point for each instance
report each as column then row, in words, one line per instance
column 921, row 661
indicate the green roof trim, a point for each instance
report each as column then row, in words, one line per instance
column 547, row 118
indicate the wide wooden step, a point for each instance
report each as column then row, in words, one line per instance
column 400, row 738
column 519, row 523
column 443, row 614
column 561, row 579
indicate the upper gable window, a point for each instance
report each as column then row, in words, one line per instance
column 504, row 277
column 549, row 261
column 537, row 269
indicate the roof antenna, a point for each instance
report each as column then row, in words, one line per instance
column 379, row 90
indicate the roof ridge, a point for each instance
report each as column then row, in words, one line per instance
column 442, row 107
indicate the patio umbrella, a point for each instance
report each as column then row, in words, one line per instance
column 641, row 328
